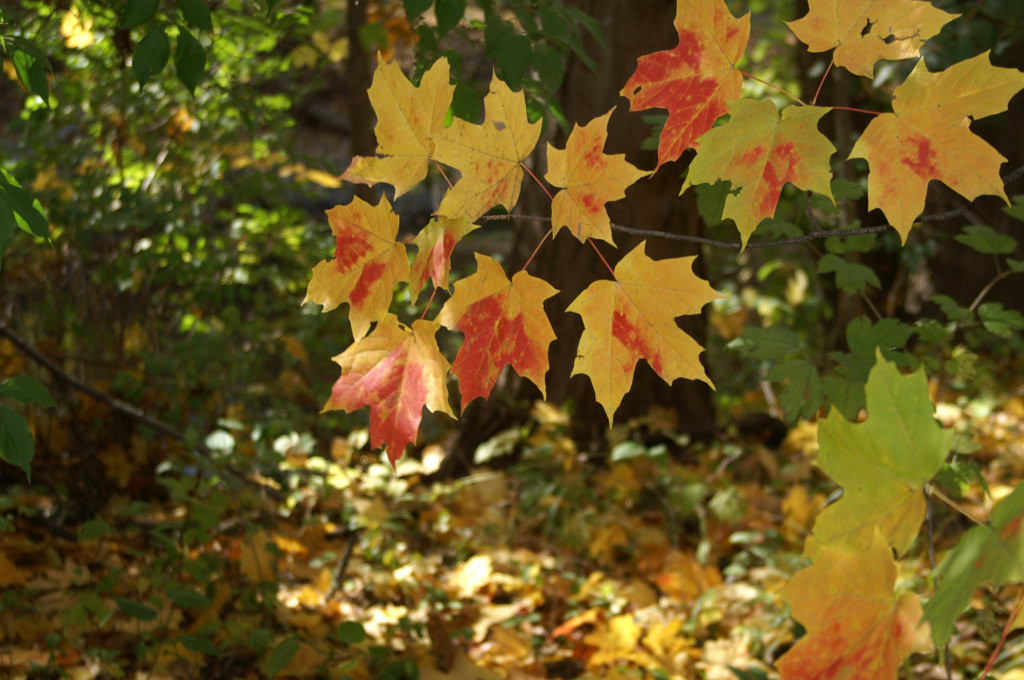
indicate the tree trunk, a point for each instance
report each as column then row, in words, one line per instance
column 631, row 29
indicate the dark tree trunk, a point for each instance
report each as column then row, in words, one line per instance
column 631, row 29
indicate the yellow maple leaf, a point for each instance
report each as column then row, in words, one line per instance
column 367, row 263
column 487, row 155
column 633, row 318
column 434, row 244
column 856, row 625
column 866, row 31
column 407, row 119
column 927, row 136
column 759, row 152
column 589, row 179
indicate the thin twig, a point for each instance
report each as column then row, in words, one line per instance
column 115, row 404
column 339, row 575
column 1002, row 640
column 815, row 235
column 933, row 490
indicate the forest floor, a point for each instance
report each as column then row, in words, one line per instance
column 660, row 561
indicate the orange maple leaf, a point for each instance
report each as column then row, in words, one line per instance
column 396, row 372
column 759, row 153
column 864, row 32
column 927, row 136
column 633, row 318
column 488, row 155
column 694, row 80
column 435, row 243
column 367, row 263
column 504, row 323
column 590, row 180
column 856, row 625
column 407, row 119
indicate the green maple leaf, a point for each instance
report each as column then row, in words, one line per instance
column 883, row 463
column 993, row 553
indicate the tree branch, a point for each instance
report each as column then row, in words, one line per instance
column 115, row 404
column 810, row 236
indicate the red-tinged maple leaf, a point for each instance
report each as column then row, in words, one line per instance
column 487, row 155
column 866, row 31
column 633, row 318
column 504, row 323
column 407, row 119
column 856, row 625
column 694, row 80
column 396, row 371
column 927, row 136
column 435, row 243
column 367, row 263
column 758, row 153
column 590, row 180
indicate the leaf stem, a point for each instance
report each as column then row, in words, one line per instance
column 825, row 75
column 441, row 170
column 988, row 287
column 933, row 490
column 856, row 110
column 772, row 85
column 1002, row 640
column 594, row 245
column 427, row 308
column 534, row 253
column 539, row 183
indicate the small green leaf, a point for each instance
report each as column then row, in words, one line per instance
column 196, row 13
column 350, row 632
column 553, row 22
column 449, row 14
column 770, row 344
column 27, row 390
column 414, row 8
column 951, row 309
column 187, row 598
column 1003, row 322
column 199, row 644
column 863, row 337
column 1015, row 265
column 850, row 276
column 136, row 610
column 986, row 240
column 801, row 396
column 930, row 330
column 711, row 200
column 282, row 655
column 427, row 38
column 138, row 12
column 845, row 190
column 16, row 445
column 93, row 529
column 846, row 395
column 151, row 55
column 549, row 63
column 25, row 206
column 467, row 102
column 373, row 37
column 32, row 74
column 189, row 60
column 509, row 48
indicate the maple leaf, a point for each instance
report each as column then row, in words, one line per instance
column 633, row 318
column 864, row 32
column 488, row 155
column 435, row 243
column 396, row 371
column 856, row 626
column 759, row 152
column 993, row 553
column 504, row 323
column 590, row 180
column 407, row 118
column 882, row 463
column 367, row 263
column 927, row 136
column 693, row 80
